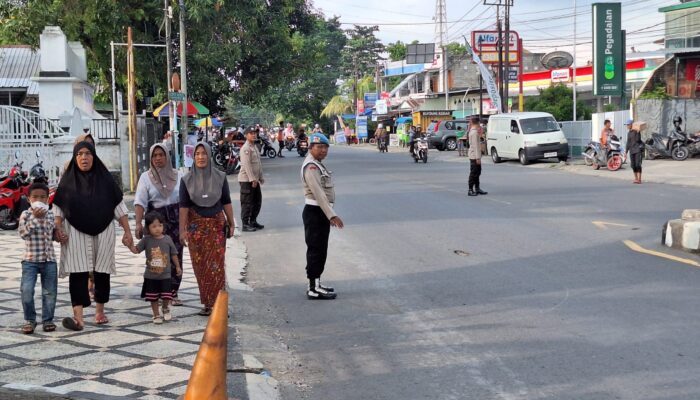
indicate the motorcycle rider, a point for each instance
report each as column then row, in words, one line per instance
column 413, row 135
column 380, row 135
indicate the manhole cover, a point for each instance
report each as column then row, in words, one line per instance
column 462, row 253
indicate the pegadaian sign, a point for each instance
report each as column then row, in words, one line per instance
column 608, row 50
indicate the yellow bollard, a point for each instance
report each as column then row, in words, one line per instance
column 208, row 377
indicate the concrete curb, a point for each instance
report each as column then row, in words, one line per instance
column 35, row 392
column 259, row 384
column 684, row 233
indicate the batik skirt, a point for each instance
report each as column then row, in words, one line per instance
column 207, row 245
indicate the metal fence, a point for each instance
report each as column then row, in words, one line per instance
column 578, row 134
column 104, row 129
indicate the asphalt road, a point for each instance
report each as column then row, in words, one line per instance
column 514, row 295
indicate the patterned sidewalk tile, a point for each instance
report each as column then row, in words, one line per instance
column 130, row 356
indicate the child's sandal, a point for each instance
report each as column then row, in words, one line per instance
column 28, row 327
column 158, row 320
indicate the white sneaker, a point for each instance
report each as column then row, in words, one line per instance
column 166, row 314
column 158, row 320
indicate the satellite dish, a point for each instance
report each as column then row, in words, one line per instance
column 557, row 60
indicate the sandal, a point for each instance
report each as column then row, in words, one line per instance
column 71, row 324
column 157, row 320
column 101, row 319
column 205, row 312
column 167, row 316
column 176, row 302
column 49, row 327
column 28, row 327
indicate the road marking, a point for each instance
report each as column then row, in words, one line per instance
column 604, row 225
column 634, row 246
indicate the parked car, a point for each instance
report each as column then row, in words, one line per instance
column 442, row 135
column 526, row 136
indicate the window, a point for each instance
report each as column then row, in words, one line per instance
column 514, row 126
column 539, row 125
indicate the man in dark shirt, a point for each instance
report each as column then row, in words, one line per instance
column 635, row 147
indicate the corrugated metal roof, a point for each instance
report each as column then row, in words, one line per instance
column 18, row 64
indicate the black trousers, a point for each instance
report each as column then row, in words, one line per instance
column 251, row 201
column 636, row 161
column 78, row 288
column 474, row 174
column 317, row 228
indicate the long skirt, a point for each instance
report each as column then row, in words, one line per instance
column 171, row 213
column 207, row 245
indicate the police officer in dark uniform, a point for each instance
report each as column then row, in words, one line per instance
column 318, row 215
column 250, row 178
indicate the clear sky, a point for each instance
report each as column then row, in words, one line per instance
column 544, row 25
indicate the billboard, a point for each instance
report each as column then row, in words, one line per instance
column 488, row 40
column 608, row 50
column 370, row 99
column 420, row 53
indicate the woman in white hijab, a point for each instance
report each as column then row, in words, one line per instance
column 206, row 221
column 159, row 190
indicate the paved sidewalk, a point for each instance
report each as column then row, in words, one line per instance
column 129, row 356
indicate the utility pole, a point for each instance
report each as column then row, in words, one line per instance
column 574, row 72
column 168, row 61
column 499, row 48
column 507, row 53
column 441, row 39
column 183, row 74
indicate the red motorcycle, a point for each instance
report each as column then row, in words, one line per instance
column 13, row 196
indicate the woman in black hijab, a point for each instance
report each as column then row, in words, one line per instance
column 87, row 202
column 206, row 221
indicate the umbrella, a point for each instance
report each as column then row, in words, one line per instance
column 201, row 110
column 164, row 109
column 207, row 122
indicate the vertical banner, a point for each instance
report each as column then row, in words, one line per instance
column 361, row 127
column 608, row 50
column 488, row 80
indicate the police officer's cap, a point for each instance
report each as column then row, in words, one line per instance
column 318, row 138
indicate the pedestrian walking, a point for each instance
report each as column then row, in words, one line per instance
column 318, row 215
column 161, row 255
column 87, row 202
column 635, row 147
column 206, row 221
column 474, row 152
column 36, row 226
column 461, row 142
column 159, row 190
column 280, row 140
column 250, row 178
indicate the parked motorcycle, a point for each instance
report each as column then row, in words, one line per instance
column 302, row 147
column 595, row 156
column 677, row 144
column 420, row 150
column 13, row 195
column 233, row 161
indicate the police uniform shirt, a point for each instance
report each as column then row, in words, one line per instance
column 474, row 151
column 251, row 167
column 318, row 186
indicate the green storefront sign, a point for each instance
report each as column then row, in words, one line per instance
column 608, row 50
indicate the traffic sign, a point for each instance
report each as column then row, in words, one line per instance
column 513, row 74
column 176, row 96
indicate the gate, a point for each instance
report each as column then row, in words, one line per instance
column 22, row 133
column 149, row 133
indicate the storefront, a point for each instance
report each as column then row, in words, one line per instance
column 423, row 118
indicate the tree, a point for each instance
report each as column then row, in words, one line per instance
column 397, row 51
column 558, row 100
column 455, row 49
column 362, row 51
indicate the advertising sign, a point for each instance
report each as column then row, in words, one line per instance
column 488, row 80
column 513, row 74
column 489, row 40
column 560, row 75
column 362, row 127
column 491, row 57
column 381, row 107
column 370, row 100
column 608, row 50
column 360, row 106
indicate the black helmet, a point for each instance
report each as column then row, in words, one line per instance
column 677, row 120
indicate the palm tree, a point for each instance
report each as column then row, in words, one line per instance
column 338, row 104
column 342, row 103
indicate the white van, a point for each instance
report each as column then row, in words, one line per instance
column 526, row 136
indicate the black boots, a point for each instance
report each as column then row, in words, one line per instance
column 318, row 292
column 257, row 226
column 248, row 228
column 479, row 191
column 471, row 192
column 476, row 192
